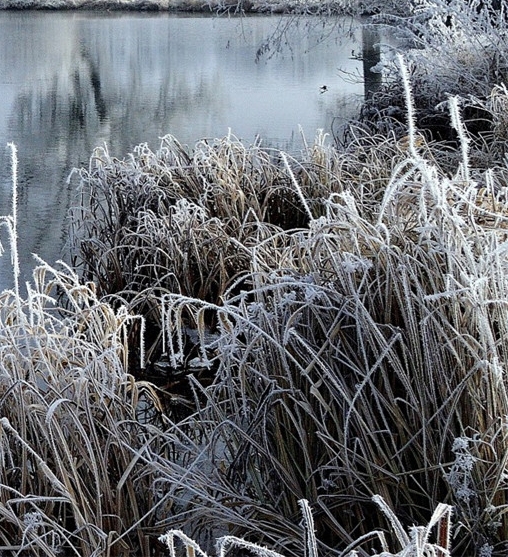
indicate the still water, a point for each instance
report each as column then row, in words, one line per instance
column 70, row 81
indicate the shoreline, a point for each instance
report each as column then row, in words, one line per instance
column 235, row 7
column 190, row 6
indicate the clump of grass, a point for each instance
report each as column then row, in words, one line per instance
column 75, row 434
column 367, row 345
column 77, row 475
column 189, row 222
column 174, row 222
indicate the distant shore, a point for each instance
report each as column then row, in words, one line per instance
column 255, row 6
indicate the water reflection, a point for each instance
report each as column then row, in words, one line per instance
column 71, row 81
column 371, row 56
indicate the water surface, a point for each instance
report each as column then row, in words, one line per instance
column 70, row 81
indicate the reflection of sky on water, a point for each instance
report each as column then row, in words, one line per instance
column 72, row 80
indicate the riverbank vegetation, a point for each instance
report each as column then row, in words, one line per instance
column 234, row 7
column 454, row 47
column 230, row 7
column 253, row 337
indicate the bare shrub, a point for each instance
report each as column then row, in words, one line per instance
column 453, row 47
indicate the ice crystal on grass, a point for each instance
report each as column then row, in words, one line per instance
column 32, row 520
column 486, row 550
column 460, row 475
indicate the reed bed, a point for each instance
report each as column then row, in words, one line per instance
column 372, row 362
column 351, row 309
column 76, row 431
column 76, row 474
column 170, row 222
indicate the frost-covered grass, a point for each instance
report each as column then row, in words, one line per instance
column 165, row 222
column 76, row 473
column 416, row 543
column 351, row 308
column 77, row 476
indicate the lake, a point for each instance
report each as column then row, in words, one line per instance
column 70, row 81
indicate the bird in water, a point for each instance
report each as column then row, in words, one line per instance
column 323, row 88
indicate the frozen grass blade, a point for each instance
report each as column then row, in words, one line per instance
column 459, row 127
column 11, row 221
column 308, row 522
column 411, row 120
